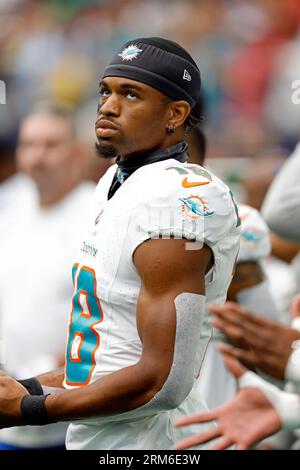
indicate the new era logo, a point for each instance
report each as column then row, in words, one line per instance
column 186, row 76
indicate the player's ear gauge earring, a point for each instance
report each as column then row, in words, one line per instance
column 170, row 128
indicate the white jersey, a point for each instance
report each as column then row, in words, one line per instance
column 166, row 199
column 255, row 240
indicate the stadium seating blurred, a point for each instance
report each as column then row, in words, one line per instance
column 54, row 51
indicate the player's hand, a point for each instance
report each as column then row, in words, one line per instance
column 242, row 422
column 11, row 394
column 261, row 343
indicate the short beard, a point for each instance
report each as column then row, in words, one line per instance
column 105, row 151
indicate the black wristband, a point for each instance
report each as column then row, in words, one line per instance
column 34, row 410
column 32, row 386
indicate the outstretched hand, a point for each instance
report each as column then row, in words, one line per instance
column 258, row 342
column 242, row 422
column 11, row 394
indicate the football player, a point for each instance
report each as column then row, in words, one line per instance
column 161, row 242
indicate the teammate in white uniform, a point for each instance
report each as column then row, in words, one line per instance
column 250, row 288
column 162, row 240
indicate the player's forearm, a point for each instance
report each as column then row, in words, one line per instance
column 54, row 378
column 121, row 391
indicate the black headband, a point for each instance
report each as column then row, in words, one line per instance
column 171, row 74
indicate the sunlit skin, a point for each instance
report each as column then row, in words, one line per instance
column 133, row 118
column 47, row 152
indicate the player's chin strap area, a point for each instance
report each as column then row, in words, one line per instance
column 287, row 405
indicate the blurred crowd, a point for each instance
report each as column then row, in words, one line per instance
column 52, row 53
column 52, row 50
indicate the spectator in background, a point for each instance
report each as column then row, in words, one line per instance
column 16, row 190
column 237, row 45
column 35, row 273
column 94, row 167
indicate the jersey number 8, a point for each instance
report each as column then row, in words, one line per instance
column 83, row 339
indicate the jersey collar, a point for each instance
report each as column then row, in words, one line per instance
column 126, row 168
